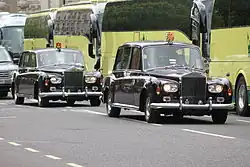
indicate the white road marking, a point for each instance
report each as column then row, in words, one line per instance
column 8, row 117
column 157, row 124
column 14, row 144
column 241, row 120
column 31, row 150
column 52, row 157
column 209, row 134
column 1, row 138
column 73, row 165
column 89, row 111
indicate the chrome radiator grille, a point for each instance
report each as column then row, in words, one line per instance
column 73, row 80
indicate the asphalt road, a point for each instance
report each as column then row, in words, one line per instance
column 83, row 136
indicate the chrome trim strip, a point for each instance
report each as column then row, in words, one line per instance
column 124, row 106
column 66, row 94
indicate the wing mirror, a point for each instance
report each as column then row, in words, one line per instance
column 90, row 50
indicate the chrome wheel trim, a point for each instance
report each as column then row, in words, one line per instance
column 109, row 103
column 242, row 97
column 147, row 109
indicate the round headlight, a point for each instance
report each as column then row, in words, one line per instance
column 55, row 80
column 90, row 79
column 170, row 88
column 215, row 88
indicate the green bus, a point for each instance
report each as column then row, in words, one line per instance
column 222, row 29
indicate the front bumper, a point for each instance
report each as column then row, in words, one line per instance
column 70, row 94
column 210, row 106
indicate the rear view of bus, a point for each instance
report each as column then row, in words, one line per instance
column 126, row 21
column 38, row 30
column 12, row 33
column 77, row 26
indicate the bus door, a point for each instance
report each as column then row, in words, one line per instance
column 81, row 43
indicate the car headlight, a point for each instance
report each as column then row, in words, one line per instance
column 90, row 79
column 170, row 87
column 55, row 80
column 215, row 88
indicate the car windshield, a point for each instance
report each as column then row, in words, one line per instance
column 4, row 56
column 171, row 55
column 13, row 38
column 50, row 58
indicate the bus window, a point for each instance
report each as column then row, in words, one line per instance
column 73, row 22
column 140, row 15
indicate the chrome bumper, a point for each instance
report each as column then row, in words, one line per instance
column 210, row 106
column 69, row 94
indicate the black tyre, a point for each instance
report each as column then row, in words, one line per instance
column 112, row 111
column 219, row 117
column 151, row 115
column 18, row 100
column 95, row 102
column 241, row 98
column 3, row 94
column 42, row 102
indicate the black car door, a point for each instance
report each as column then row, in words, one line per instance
column 136, row 74
column 122, row 83
column 21, row 79
column 31, row 74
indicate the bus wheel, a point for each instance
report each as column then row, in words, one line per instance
column 241, row 98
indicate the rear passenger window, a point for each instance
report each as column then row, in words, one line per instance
column 122, row 58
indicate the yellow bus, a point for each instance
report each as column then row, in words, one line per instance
column 222, row 29
column 77, row 26
column 38, row 30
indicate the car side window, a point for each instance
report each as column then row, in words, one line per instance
column 25, row 60
column 136, row 59
column 122, row 58
column 20, row 64
column 32, row 60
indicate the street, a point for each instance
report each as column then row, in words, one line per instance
column 84, row 136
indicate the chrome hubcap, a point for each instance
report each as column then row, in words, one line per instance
column 242, row 97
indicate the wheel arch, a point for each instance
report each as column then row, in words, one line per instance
column 240, row 73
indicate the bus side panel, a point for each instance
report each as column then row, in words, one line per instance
column 112, row 40
column 77, row 42
column 28, row 44
column 229, row 54
column 40, row 43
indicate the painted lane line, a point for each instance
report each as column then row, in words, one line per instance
column 1, row 138
column 8, row 117
column 14, row 144
column 209, row 134
column 53, row 157
column 89, row 111
column 157, row 124
column 241, row 120
column 31, row 150
column 73, row 165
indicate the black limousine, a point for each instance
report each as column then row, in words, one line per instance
column 56, row 74
column 159, row 77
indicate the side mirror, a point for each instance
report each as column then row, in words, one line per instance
column 97, row 65
column 15, row 60
column 90, row 50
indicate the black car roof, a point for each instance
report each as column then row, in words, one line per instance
column 152, row 43
column 51, row 49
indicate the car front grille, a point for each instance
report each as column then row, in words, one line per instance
column 4, row 75
column 193, row 88
column 73, row 80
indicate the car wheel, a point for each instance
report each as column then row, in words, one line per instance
column 18, row 100
column 70, row 102
column 219, row 117
column 95, row 102
column 112, row 111
column 3, row 94
column 241, row 98
column 42, row 102
column 151, row 115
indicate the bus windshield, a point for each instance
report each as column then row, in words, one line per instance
column 170, row 55
column 12, row 38
column 4, row 55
